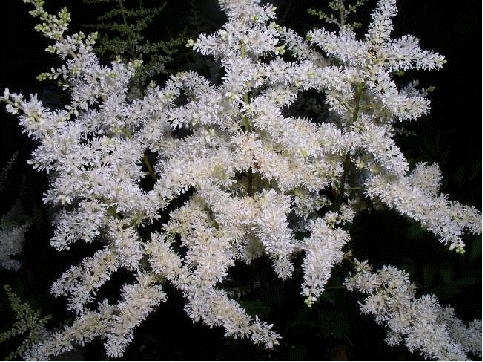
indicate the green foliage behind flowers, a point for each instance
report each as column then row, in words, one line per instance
column 124, row 33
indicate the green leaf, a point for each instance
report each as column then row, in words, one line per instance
column 465, row 282
column 256, row 308
column 415, row 231
column 334, row 322
column 475, row 250
column 302, row 317
column 429, row 272
column 447, row 273
column 298, row 352
column 444, row 292
column 409, row 266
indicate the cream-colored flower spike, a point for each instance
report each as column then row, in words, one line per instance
column 422, row 323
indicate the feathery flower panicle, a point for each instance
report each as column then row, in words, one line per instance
column 415, row 195
column 323, row 250
column 138, row 301
column 421, row 323
column 372, row 61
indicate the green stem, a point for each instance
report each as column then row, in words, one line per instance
column 243, row 51
column 357, row 101
column 246, row 125
column 342, row 14
column 250, row 182
column 347, row 160
column 150, row 168
column 246, row 98
column 113, row 212
column 129, row 40
column 132, row 50
column 336, row 287
column 340, row 192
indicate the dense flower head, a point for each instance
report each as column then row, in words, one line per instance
column 416, row 196
column 422, row 323
column 372, row 61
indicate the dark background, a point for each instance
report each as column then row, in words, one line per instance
column 450, row 136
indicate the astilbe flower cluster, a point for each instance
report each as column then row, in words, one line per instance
column 254, row 176
column 422, row 322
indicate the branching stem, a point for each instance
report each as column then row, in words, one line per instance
column 150, row 168
column 347, row 160
column 246, row 125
